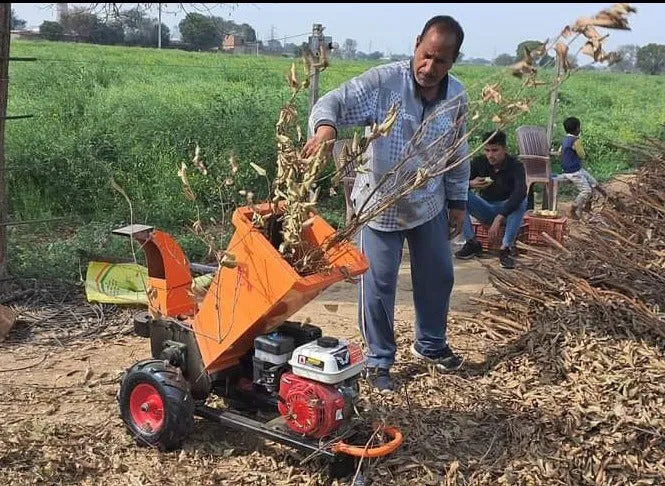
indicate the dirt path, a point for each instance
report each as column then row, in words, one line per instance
column 60, row 419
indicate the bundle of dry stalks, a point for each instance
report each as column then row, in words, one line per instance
column 572, row 390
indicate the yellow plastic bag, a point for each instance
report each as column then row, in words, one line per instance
column 124, row 283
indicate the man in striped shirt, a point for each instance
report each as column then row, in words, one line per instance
column 430, row 124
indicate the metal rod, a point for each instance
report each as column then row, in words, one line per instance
column 18, row 223
column 159, row 27
column 16, row 117
column 239, row 422
column 201, row 268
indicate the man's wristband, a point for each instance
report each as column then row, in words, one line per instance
column 325, row 123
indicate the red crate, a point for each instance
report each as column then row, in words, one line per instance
column 554, row 227
column 483, row 237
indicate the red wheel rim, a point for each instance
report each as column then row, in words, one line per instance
column 147, row 408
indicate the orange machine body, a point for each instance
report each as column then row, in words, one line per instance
column 169, row 276
column 263, row 290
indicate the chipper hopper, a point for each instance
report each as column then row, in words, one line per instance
column 237, row 343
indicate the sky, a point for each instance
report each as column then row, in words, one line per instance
column 490, row 28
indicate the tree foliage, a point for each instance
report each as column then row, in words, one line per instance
column 205, row 32
column 628, row 60
column 51, row 30
column 349, row 48
column 503, row 60
column 651, row 59
column 16, row 22
column 200, row 31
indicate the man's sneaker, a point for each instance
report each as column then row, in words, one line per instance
column 447, row 361
column 380, row 379
column 506, row 259
column 470, row 249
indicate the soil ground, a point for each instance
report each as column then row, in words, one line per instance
column 60, row 422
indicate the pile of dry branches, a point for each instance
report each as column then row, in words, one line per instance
column 572, row 390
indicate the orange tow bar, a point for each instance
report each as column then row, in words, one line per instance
column 371, row 452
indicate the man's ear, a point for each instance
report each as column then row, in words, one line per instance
column 417, row 42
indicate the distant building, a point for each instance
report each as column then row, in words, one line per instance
column 237, row 45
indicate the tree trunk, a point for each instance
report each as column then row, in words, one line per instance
column 5, row 24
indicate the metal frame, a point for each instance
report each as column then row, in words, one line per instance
column 241, row 422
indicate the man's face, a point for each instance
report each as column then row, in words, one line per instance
column 433, row 57
column 495, row 154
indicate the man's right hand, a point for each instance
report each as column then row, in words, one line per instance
column 479, row 183
column 324, row 134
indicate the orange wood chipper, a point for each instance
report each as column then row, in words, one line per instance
column 236, row 342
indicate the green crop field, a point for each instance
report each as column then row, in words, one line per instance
column 135, row 115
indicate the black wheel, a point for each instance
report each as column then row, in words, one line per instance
column 156, row 405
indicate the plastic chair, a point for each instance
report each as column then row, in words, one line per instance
column 535, row 155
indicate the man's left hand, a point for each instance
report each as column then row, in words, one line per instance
column 456, row 221
column 494, row 232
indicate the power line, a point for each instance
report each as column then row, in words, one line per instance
column 297, row 35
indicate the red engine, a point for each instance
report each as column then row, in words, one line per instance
column 310, row 408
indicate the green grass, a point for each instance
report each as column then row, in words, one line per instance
column 135, row 114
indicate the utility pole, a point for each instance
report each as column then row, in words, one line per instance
column 553, row 97
column 159, row 26
column 315, row 42
column 5, row 24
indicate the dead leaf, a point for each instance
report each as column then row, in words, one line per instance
column 491, row 93
column 331, row 307
column 259, row 170
column 87, row 375
column 521, row 68
column 234, row 164
column 182, row 173
column 292, row 78
column 562, row 55
column 197, row 161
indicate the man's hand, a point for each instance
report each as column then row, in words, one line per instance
column 323, row 135
column 479, row 183
column 455, row 221
column 494, row 232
